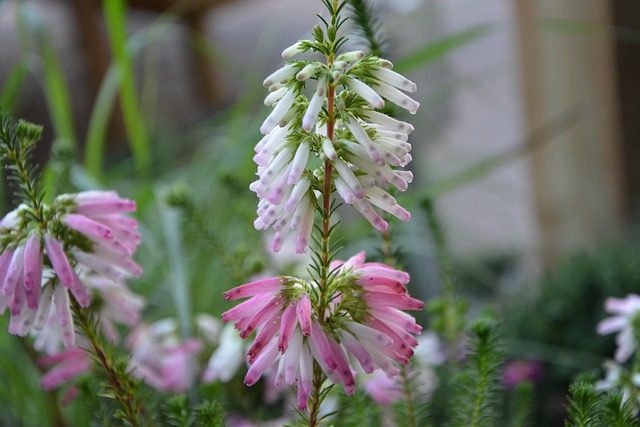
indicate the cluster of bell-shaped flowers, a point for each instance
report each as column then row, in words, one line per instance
column 358, row 317
column 49, row 255
column 365, row 147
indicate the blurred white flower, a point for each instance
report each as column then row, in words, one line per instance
column 626, row 312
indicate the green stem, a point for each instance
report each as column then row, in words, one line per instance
column 121, row 386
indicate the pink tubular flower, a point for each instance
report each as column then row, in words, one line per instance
column 364, row 321
column 626, row 311
column 114, row 238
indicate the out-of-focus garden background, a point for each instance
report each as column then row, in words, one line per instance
column 527, row 141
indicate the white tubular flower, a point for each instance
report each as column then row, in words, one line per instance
column 394, row 79
column 360, row 134
column 381, row 119
column 275, row 96
column 364, row 91
column 281, row 108
column 294, row 49
column 282, row 75
column 351, row 56
column 315, row 105
column 283, row 190
column 394, row 95
column 328, row 149
column 349, row 178
column 299, row 163
column 308, row 71
column 386, row 202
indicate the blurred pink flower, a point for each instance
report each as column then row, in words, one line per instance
column 160, row 359
column 519, row 371
column 67, row 365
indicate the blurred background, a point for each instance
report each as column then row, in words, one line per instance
column 527, row 138
column 552, row 82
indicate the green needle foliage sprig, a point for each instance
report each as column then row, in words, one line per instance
column 590, row 408
column 367, row 24
column 478, row 389
column 17, row 142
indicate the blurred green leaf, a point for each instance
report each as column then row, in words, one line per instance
column 115, row 17
column 11, row 87
column 55, row 87
column 442, row 47
column 570, row 26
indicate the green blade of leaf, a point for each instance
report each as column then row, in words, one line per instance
column 115, row 17
column 442, row 47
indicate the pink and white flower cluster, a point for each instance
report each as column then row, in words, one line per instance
column 366, row 147
column 363, row 321
column 42, row 260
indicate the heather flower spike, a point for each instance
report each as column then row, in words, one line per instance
column 85, row 233
column 364, row 152
column 325, row 135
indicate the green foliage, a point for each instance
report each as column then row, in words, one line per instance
column 11, row 87
column 412, row 409
column 616, row 413
column 519, row 409
column 584, row 406
column 478, row 387
column 17, row 142
column 209, row 414
column 357, row 411
column 555, row 321
column 56, row 90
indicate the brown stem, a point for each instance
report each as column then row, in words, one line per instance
column 315, row 400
